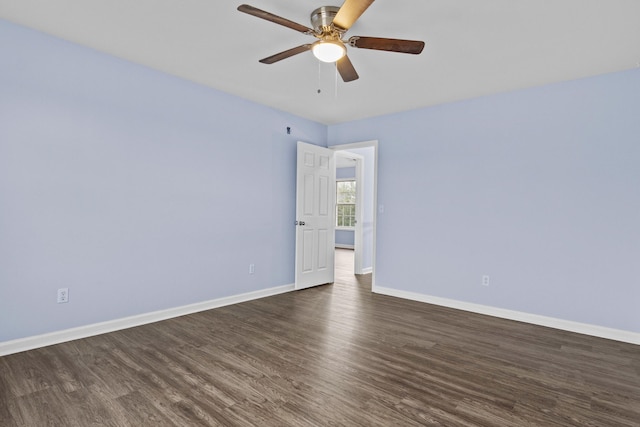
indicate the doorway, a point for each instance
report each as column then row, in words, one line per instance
column 349, row 212
column 315, row 213
column 365, row 157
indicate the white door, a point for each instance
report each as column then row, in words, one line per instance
column 315, row 215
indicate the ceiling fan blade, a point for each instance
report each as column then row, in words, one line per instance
column 346, row 69
column 286, row 54
column 274, row 18
column 392, row 45
column 349, row 13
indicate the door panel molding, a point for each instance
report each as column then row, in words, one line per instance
column 315, row 216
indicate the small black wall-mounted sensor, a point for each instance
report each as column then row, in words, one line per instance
column 288, row 130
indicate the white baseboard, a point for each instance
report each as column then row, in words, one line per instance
column 535, row 319
column 341, row 246
column 30, row 343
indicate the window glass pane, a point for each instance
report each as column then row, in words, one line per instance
column 345, row 203
column 346, row 215
column 346, row 192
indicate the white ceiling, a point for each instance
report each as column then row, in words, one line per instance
column 473, row 47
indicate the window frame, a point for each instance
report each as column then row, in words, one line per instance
column 355, row 203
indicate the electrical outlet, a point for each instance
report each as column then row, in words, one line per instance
column 63, row 295
column 252, row 268
column 485, row 280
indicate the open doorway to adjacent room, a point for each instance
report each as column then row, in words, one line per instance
column 356, row 182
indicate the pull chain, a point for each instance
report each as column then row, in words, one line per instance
column 319, row 79
column 335, row 95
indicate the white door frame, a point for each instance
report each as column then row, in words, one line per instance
column 366, row 144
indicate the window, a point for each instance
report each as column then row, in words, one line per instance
column 346, row 203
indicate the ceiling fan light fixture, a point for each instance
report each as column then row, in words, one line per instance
column 328, row 51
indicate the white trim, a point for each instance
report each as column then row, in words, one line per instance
column 535, row 319
column 367, row 270
column 342, row 246
column 37, row 341
column 352, row 145
column 359, row 216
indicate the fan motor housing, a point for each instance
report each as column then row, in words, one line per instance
column 322, row 18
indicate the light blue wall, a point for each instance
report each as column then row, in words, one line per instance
column 114, row 182
column 344, row 237
column 343, row 173
column 538, row 188
column 136, row 190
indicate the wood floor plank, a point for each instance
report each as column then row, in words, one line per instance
column 330, row 355
column 141, row 412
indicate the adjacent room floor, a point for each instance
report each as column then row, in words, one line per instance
column 331, row 355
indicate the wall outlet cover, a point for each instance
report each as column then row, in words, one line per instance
column 63, row 295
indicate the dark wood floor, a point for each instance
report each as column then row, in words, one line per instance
column 331, row 355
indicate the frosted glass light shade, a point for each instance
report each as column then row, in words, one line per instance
column 328, row 51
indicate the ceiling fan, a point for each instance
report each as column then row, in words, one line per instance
column 330, row 23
